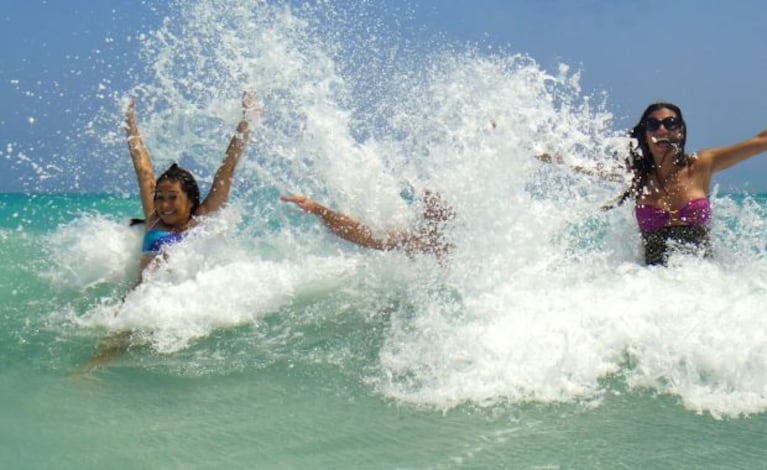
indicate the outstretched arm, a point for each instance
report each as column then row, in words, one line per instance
column 724, row 157
column 142, row 164
column 342, row 225
column 600, row 171
column 222, row 181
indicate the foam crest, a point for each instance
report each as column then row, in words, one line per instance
column 555, row 339
column 213, row 280
column 91, row 251
column 544, row 298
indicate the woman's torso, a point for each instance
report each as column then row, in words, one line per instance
column 675, row 211
column 651, row 218
column 679, row 199
column 157, row 236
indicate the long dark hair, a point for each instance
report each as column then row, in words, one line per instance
column 435, row 208
column 187, row 182
column 641, row 162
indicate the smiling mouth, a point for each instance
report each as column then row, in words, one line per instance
column 665, row 140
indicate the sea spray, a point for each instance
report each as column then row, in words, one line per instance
column 544, row 298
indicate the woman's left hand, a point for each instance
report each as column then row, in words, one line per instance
column 251, row 111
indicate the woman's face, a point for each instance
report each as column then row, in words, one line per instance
column 662, row 129
column 172, row 204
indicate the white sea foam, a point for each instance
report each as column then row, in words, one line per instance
column 544, row 298
column 91, row 251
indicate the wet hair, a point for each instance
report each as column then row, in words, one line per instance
column 435, row 208
column 641, row 162
column 187, row 182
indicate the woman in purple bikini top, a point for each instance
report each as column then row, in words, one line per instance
column 651, row 218
column 664, row 176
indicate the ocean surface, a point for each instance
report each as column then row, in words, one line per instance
column 282, row 347
column 262, row 341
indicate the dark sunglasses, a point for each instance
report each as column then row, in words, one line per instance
column 670, row 123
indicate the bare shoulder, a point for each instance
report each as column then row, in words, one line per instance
column 702, row 157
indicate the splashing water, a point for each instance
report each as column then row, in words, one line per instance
column 544, row 298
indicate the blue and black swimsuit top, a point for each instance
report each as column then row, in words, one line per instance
column 156, row 238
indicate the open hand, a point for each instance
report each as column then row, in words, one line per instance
column 130, row 111
column 548, row 158
column 251, row 111
column 301, row 201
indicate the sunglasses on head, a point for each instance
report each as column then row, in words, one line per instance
column 670, row 123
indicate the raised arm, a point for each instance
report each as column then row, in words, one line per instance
column 222, row 180
column 142, row 164
column 599, row 172
column 342, row 225
column 722, row 158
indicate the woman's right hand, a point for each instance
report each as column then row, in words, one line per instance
column 130, row 119
column 303, row 202
column 251, row 111
column 548, row 158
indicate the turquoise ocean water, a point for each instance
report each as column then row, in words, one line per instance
column 251, row 355
column 264, row 342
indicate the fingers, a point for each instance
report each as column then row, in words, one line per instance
column 548, row 158
column 296, row 199
column 303, row 202
column 130, row 106
column 251, row 111
column 130, row 117
column 249, row 101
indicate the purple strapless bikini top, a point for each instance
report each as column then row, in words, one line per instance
column 694, row 212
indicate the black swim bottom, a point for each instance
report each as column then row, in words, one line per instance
column 690, row 239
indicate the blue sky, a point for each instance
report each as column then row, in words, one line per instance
column 708, row 56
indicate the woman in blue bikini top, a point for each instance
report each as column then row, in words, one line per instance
column 172, row 202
